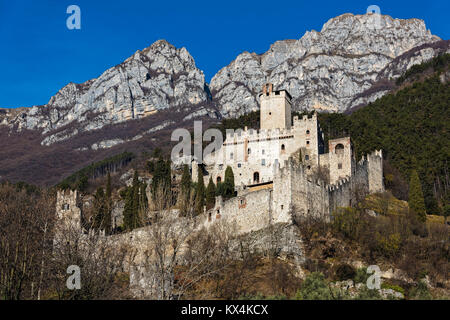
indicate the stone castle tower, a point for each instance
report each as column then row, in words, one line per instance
column 275, row 111
column 68, row 212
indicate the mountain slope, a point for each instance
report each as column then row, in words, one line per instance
column 323, row 70
column 154, row 79
column 135, row 105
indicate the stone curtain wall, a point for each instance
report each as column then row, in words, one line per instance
column 248, row 211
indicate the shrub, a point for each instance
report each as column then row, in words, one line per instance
column 420, row 292
column 368, row 294
column 394, row 287
column 346, row 221
column 314, row 288
column 345, row 272
column 361, row 275
column 389, row 245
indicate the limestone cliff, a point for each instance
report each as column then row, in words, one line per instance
column 156, row 78
column 323, row 70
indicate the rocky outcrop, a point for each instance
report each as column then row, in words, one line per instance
column 323, row 70
column 156, row 78
column 384, row 82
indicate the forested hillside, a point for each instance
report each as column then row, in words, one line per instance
column 411, row 125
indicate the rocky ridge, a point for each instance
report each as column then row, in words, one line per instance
column 156, row 78
column 323, row 70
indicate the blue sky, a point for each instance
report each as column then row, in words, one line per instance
column 39, row 55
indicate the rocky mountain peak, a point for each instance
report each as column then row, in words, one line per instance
column 323, row 70
column 157, row 78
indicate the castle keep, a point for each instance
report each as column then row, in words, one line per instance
column 282, row 169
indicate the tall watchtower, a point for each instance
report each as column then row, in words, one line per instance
column 275, row 112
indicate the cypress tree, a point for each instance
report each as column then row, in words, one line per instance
column 143, row 200
column 416, row 200
column 229, row 183
column 186, row 181
column 128, row 210
column 210, row 194
column 99, row 209
column 219, row 189
column 107, row 223
column 200, row 192
column 132, row 212
column 161, row 176
column 108, row 186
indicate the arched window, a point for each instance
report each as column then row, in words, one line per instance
column 256, row 177
column 249, row 151
column 218, row 179
column 307, row 132
column 339, row 149
column 283, row 147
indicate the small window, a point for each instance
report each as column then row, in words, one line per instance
column 220, row 166
column 231, row 156
column 263, row 151
column 309, row 167
column 339, row 149
column 270, row 113
column 306, row 157
column 283, row 147
column 307, row 142
column 307, row 132
column 282, row 207
column 239, row 165
column 339, row 165
column 263, row 162
column 249, row 151
column 219, row 180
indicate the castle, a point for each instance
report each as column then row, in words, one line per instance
column 280, row 172
column 282, row 169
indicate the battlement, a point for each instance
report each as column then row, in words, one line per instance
column 267, row 91
column 305, row 118
column 339, row 184
column 254, row 135
column 66, row 200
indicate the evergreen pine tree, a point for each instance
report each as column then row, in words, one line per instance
column 229, row 183
column 416, row 200
column 210, row 194
column 200, row 192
